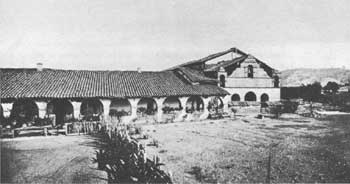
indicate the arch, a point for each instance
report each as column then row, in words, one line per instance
column 264, row 97
column 235, row 97
column 62, row 109
column 194, row 103
column 147, row 106
column 250, row 96
column 23, row 111
column 215, row 103
column 250, row 71
column 120, row 107
column 91, row 109
column 222, row 80
column 171, row 104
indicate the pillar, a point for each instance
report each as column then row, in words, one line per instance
column 106, row 105
column 226, row 100
column 42, row 108
column 7, row 108
column 133, row 103
column 76, row 109
column 159, row 102
column 183, row 101
column 205, row 111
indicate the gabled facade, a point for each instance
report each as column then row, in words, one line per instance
column 245, row 77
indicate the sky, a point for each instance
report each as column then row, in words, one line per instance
column 158, row 34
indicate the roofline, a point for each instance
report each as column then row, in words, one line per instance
column 210, row 57
column 54, row 69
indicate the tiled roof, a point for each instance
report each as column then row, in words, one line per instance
column 51, row 83
column 224, row 64
column 196, row 76
column 208, row 58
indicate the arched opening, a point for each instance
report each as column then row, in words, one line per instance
column 250, row 71
column 171, row 104
column 222, row 81
column 91, row 109
column 62, row 109
column 215, row 104
column 24, row 111
column 194, row 103
column 264, row 97
column 120, row 107
column 250, row 96
column 146, row 106
column 235, row 97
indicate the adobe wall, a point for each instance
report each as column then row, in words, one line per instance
column 273, row 93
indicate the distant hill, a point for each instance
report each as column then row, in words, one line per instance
column 297, row 77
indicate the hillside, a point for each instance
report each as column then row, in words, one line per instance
column 297, row 77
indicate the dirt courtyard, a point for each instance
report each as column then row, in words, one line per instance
column 302, row 149
column 53, row 159
column 289, row 149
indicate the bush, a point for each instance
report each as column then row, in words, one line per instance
column 167, row 109
column 289, row 106
column 124, row 161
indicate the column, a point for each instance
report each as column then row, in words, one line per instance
column 133, row 103
column 76, row 109
column 7, row 108
column 159, row 102
column 206, row 111
column 106, row 105
column 183, row 101
column 42, row 108
column 226, row 100
column 133, row 117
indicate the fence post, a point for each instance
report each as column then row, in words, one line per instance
column 65, row 129
column 45, row 131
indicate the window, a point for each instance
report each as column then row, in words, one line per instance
column 276, row 82
column 250, row 71
column 222, row 81
column 264, row 97
column 235, row 97
column 250, row 96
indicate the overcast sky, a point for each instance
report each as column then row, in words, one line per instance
column 157, row 34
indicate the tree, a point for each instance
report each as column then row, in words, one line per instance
column 331, row 87
column 312, row 92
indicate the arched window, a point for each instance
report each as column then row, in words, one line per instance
column 235, row 97
column 250, row 96
column 250, row 71
column 222, row 81
column 264, row 97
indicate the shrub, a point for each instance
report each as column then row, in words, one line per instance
column 289, row 106
column 124, row 161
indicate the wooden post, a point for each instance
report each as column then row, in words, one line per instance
column 45, row 131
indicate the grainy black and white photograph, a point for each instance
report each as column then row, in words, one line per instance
column 175, row 91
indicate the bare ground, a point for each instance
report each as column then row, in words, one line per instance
column 54, row 159
column 302, row 149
